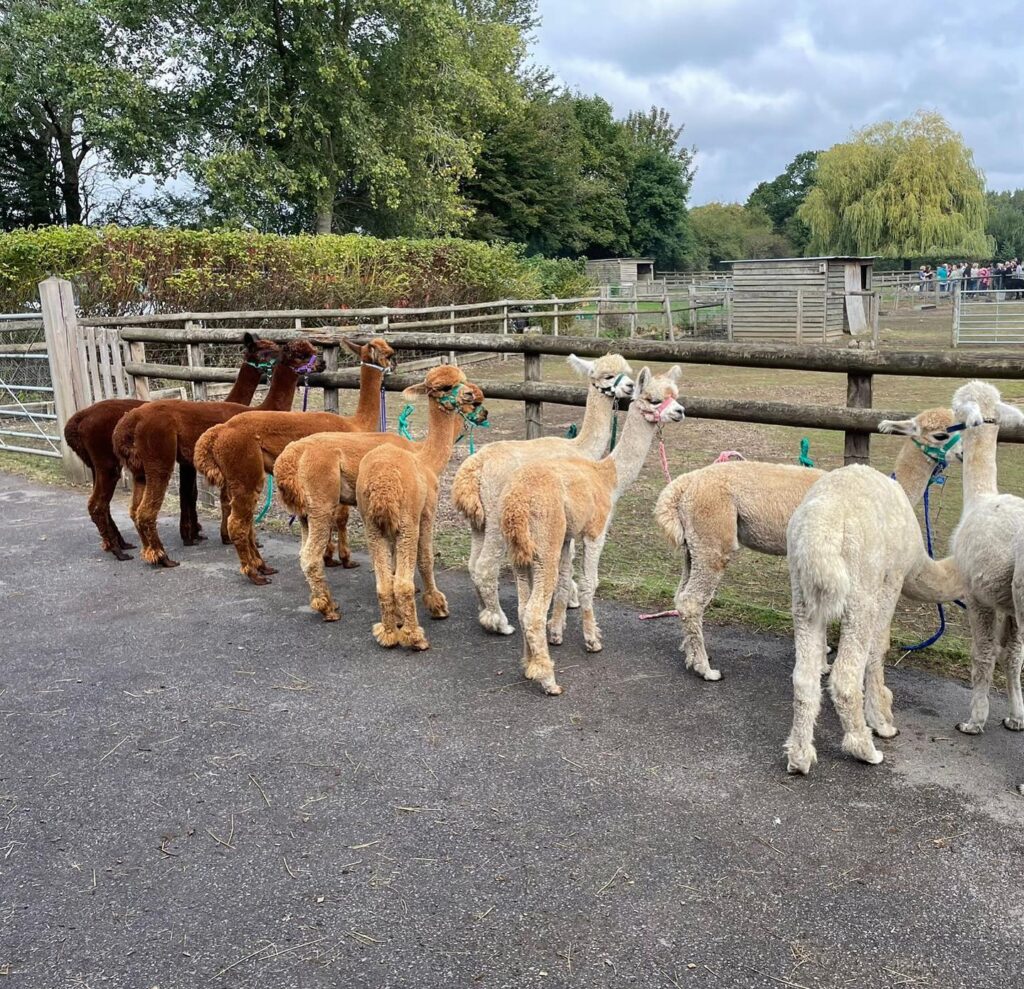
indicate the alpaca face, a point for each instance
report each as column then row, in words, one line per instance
column 611, row 375
column 298, row 353
column 260, row 351
column 376, row 353
column 978, row 402
column 931, row 431
column 657, row 396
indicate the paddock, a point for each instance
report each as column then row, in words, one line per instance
column 203, row 784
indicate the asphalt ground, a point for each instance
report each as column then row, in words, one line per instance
column 203, row 784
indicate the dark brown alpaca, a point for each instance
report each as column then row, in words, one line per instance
column 149, row 441
column 90, row 433
column 237, row 455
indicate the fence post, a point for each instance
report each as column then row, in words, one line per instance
column 597, row 317
column 531, row 372
column 857, row 445
column 140, row 384
column 876, row 305
column 200, row 392
column 800, row 316
column 504, row 327
column 60, row 327
column 633, row 310
column 727, row 299
column 331, row 352
column 955, row 332
column 554, row 325
column 667, row 303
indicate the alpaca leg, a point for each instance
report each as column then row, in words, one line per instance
column 386, row 630
column 316, row 533
column 188, row 501
column 862, row 630
column 588, row 587
column 341, row 514
column 476, row 542
column 146, row 519
column 983, row 661
column 485, row 578
column 225, row 511
column 574, row 590
column 433, row 600
column 243, row 504
column 524, row 585
column 877, row 696
column 702, row 573
column 539, row 666
column 104, row 483
column 1011, row 645
column 563, row 594
column 411, row 634
column 809, row 640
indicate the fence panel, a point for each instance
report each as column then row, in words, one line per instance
column 28, row 420
column 989, row 317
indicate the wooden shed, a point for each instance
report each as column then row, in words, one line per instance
column 621, row 271
column 800, row 300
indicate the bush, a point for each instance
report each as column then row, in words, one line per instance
column 563, row 278
column 120, row 271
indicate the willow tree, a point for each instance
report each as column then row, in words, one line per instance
column 899, row 189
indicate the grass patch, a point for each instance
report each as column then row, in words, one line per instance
column 44, row 470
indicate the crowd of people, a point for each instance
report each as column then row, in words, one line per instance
column 974, row 277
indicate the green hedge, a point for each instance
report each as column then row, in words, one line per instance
column 120, row 271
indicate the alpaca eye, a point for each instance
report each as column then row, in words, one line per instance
column 940, row 436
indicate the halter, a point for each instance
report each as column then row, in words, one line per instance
column 656, row 417
column 449, row 400
column 937, row 454
column 263, row 365
column 961, row 426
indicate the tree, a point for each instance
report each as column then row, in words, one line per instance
column 731, row 231
column 898, row 189
column 343, row 114
column 780, row 198
column 1006, row 223
column 80, row 81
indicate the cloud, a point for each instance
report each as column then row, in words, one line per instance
column 756, row 83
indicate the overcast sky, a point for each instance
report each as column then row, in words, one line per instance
column 758, row 81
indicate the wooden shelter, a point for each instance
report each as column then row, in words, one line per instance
column 621, row 271
column 801, row 300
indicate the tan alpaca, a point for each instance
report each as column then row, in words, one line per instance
column 711, row 512
column 396, row 491
column 317, row 473
column 482, row 477
column 547, row 505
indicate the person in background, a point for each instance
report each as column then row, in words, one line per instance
column 942, row 273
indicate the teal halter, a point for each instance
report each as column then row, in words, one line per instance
column 450, row 400
column 937, row 453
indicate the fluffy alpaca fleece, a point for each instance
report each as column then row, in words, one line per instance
column 90, row 433
column 988, row 547
column 396, row 491
column 547, row 505
column 479, row 482
column 149, row 440
column 319, row 472
column 237, row 455
column 711, row 512
column 854, row 547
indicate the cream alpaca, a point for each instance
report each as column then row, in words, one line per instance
column 481, row 479
column 854, row 546
column 317, row 473
column 547, row 505
column 396, row 492
column 988, row 546
column 711, row 512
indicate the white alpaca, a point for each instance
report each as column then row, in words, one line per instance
column 711, row 512
column 988, row 547
column 854, row 547
column 479, row 482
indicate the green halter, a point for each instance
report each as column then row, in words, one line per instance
column 450, row 400
column 937, row 453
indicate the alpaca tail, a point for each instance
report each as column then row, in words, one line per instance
column 530, row 504
column 380, row 498
column 466, row 491
column 819, row 570
column 73, row 436
column 124, row 442
column 205, row 456
column 286, row 475
column 666, row 511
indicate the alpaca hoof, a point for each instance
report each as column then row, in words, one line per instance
column 886, row 731
column 861, row 747
column 593, row 645
column 495, row 622
column 330, row 561
column 574, row 596
column 1013, row 724
column 712, row 675
column 167, row 562
column 388, row 638
column 437, row 604
column 257, row 578
column 970, row 728
column 125, row 545
column 350, row 564
column 801, row 759
column 225, row 539
column 413, row 638
column 267, row 570
column 554, row 636
column 326, row 607
column 200, row 538
column 553, row 690
column 119, row 553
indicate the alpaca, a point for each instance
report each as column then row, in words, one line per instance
column 238, row 454
column 150, row 439
column 854, row 547
column 547, row 505
column 480, row 480
column 988, row 546
column 396, row 491
column 90, row 433
column 711, row 512
column 317, row 473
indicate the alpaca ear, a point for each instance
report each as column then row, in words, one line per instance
column 1009, row 415
column 901, row 427
column 356, row 348
column 580, row 366
column 415, row 391
column 675, row 373
column 971, row 414
column 643, row 379
column 249, row 340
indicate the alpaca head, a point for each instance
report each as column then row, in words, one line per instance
column 376, row 353
column 930, row 432
column 978, row 402
column 610, row 374
column 259, row 351
column 656, row 395
column 447, row 385
column 297, row 355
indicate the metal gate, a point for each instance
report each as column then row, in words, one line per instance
column 28, row 419
column 988, row 317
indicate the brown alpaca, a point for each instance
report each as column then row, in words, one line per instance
column 237, row 455
column 396, row 492
column 150, row 439
column 318, row 473
column 90, row 433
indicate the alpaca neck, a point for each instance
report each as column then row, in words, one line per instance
column 933, row 580
column 627, row 459
column 913, row 472
column 283, row 384
column 245, row 384
column 368, row 409
column 596, row 430
column 979, row 469
column 443, row 426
